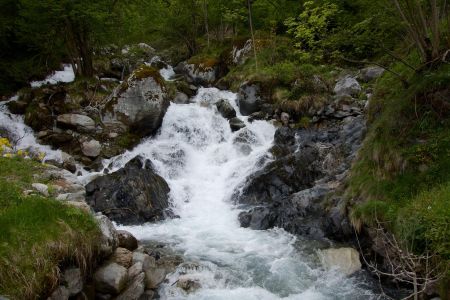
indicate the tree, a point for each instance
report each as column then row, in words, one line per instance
column 77, row 24
column 428, row 26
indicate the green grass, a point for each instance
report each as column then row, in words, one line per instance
column 402, row 176
column 38, row 235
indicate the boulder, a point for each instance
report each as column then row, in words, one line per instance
column 134, row 290
column 132, row 195
column 146, row 260
column 78, row 122
column 139, row 103
column 135, row 270
column 285, row 117
column 91, row 148
column 122, row 257
column 181, row 98
column 200, row 73
column 347, row 86
column 249, row 98
column 371, row 73
column 127, row 240
column 154, row 277
column 111, row 278
column 109, row 239
column 236, row 124
column 225, row 109
column 346, row 260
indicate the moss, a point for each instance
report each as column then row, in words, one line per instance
column 402, row 176
column 204, row 63
column 39, row 235
column 145, row 71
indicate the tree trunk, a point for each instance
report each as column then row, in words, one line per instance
column 205, row 9
column 252, row 32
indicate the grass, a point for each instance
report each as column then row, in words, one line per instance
column 402, row 175
column 38, row 235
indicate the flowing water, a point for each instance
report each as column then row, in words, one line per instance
column 204, row 164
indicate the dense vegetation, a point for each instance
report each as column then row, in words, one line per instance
column 38, row 234
column 402, row 178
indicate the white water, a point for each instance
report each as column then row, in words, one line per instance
column 66, row 75
column 21, row 135
column 197, row 154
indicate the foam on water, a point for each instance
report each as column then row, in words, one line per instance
column 204, row 163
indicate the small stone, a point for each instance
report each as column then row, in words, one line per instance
column 41, row 188
column 80, row 205
column 127, row 240
column 110, row 278
column 91, row 148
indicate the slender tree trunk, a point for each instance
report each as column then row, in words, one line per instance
column 250, row 20
column 205, row 9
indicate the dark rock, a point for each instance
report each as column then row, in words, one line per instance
column 127, row 240
column 225, row 109
column 236, row 124
column 249, row 98
column 132, row 195
column 18, row 107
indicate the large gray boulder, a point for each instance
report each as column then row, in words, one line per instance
column 132, row 195
column 249, row 98
column 111, row 278
column 139, row 103
column 347, row 86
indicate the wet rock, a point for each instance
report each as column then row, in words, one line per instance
column 188, row 284
column 236, row 124
column 110, row 278
column 249, row 98
column 134, row 290
column 73, row 281
column 122, row 257
column 132, row 195
column 18, row 107
column 225, row 109
column 79, row 122
column 347, row 86
column 109, row 240
column 139, row 103
column 91, row 148
column 127, row 240
column 346, row 260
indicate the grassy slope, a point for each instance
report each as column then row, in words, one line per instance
column 402, row 176
column 37, row 234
